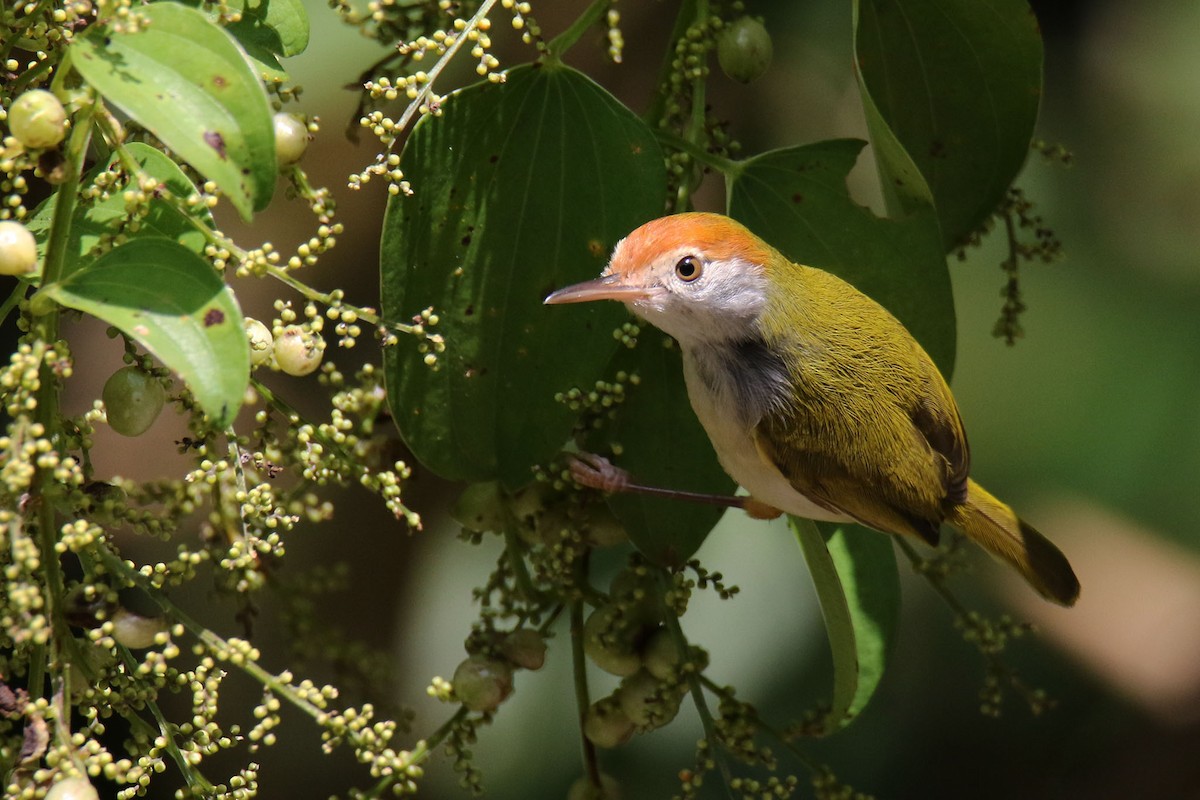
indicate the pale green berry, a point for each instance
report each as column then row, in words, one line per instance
column 660, row 656
column 262, row 343
column 481, row 683
column 37, row 119
column 132, row 400
column 647, row 701
column 298, row 352
column 606, row 725
column 18, row 249
column 291, row 139
column 480, row 507
column 135, row 631
column 744, row 50
column 616, row 651
column 72, row 789
column 524, row 647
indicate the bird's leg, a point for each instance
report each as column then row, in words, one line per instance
column 597, row 472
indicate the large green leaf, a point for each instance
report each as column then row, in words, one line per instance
column 174, row 304
column 854, row 571
column 520, row 188
column 796, row 199
column 662, row 444
column 92, row 221
column 956, row 84
column 189, row 83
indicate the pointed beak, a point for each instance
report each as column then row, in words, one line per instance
column 606, row 287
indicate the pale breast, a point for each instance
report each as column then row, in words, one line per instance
column 730, row 392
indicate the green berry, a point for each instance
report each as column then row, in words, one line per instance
column 647, row 701
column 132, row 400
column 72, row 789
column 297, row 352
column 525, row 648
column 480, row 507
column 18, row 249
column 291, row 139
column 135, row 631
column 37, row 119
column 262, row 343
column 744, row 50
column 606, row 725
column 482, row 683
column 660, row 656
column 610, row 642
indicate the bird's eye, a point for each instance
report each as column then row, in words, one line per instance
column 688, row 268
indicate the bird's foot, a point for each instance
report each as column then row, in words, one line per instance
column 597, row 472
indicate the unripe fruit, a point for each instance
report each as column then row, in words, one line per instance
column 744, row 50
column 262, row 343
column 606, row 725
column 135, row 631
column 37, row 119
column 524, row 647
column 660, row 656
column 647, row 701
column 582, row 789
column 481, row 683
column 609, row 642
column 18, row 249
column 480, row 507
column 291, row 139
column 72, row 789
column 297, row 352
column 132, row 400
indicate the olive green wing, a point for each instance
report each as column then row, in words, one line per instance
column 898, row 470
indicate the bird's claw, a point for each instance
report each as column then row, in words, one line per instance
column 597, row 472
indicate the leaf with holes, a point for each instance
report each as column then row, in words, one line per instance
column 189, row 84
column 520, row 188
column 172, row 302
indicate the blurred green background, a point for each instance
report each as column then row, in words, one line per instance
column 1090, row 426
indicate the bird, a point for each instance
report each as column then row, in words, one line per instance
column 817, row 400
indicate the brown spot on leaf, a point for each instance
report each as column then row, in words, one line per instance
column 219, row 81
column 937, row 149
column 214, row 316
column 216, row 141
column 797, row 198
column 595, row 247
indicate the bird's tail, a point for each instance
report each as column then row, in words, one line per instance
column 994, row 527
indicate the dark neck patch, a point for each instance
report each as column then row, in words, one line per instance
column 748, row 372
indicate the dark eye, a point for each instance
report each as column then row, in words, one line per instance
column 688, row 268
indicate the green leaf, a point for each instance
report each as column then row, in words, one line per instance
column 173, row 303
column 267, row 31
column 662, row 444
column 858, row 585
column 104, row 217
column 187, row 82
column 796, row 199
column 520, row 188
column 956, row 85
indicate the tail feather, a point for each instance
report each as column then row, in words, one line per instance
column 993, row 526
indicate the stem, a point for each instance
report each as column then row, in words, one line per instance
column 770, row 730
column 658, row 105
column 695, row 687
column 564, row 41
column 14, row 299
column 582, row 696
column 726, row 166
